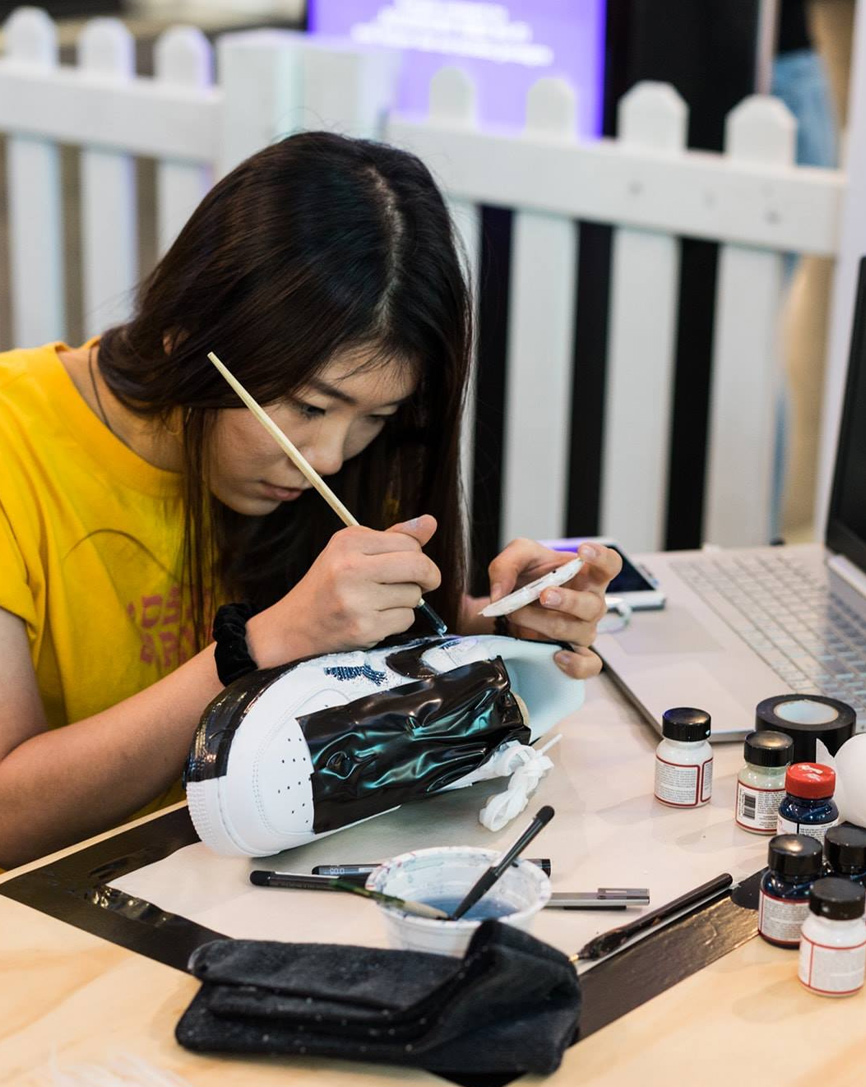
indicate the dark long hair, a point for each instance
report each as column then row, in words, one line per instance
column 316, row 244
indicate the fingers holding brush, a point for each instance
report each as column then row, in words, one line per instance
column 361, row 588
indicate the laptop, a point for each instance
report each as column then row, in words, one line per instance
column 741, row 625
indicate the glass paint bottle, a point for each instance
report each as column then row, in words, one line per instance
column 795, row 862
column 761, row 782
column 833, row 940
column 845, row 852
column 808, row 806
column 684, row 759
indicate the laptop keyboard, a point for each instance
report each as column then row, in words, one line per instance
column 811, row 639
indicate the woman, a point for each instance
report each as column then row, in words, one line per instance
column 139, row 494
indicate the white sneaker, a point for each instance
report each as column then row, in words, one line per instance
column 285, row 755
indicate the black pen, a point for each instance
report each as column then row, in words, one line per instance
column 294, row 881
column 611, row 941
column 360, row 872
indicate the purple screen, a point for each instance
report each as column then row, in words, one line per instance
column 506, row 47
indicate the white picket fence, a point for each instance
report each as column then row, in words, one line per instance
column 194, row 129
column 751, row 199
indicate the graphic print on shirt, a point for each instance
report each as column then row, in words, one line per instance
column 149, row 592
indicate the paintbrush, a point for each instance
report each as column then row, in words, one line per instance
column 495, row 871
column 407, row 905
column 611, row 941
column 308, row 471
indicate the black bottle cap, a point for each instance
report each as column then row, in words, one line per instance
column 845, row 848
column 768, row 748
column 795, row 855
column 685, row 723
column 838, row 899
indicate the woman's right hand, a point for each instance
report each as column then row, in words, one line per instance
column 362, row 588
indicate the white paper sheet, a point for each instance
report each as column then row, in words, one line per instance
column 608, row 831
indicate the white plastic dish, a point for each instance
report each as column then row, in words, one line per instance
column 425, row 875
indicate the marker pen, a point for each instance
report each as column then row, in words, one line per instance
column 354, row 871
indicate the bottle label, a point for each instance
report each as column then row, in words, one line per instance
column 707, row 780
column 677, row 784
column 758, row 809
column 812, row 830
column 780, row 919
column 833, row 971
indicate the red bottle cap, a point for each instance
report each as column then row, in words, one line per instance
column 810, row 780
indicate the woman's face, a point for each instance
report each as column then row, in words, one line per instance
column 330, row 421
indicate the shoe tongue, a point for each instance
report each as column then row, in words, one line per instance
column 453, row 654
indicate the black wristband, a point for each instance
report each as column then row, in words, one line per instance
column 231, row 654
column 502, row 626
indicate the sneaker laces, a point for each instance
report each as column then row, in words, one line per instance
column 526, row 766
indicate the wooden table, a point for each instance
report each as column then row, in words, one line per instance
column 72, row 997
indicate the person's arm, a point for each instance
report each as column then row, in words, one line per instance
column 58, row 786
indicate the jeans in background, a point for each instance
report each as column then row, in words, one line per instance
column 800, row 80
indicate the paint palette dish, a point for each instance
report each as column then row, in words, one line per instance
column 441, row 876
column 488, row 908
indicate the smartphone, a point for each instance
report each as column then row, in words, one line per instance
column 633, row 584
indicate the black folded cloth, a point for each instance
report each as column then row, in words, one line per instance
column 509, row 1006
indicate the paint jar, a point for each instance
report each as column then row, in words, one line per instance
column 795, row 862
column 845, row 853
column 761, row 782
column 684, row 759
column 833, row 940
column 808, row 806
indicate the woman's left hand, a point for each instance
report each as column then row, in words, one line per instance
column 567, row 613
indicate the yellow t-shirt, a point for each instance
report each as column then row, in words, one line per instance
column 90, row 544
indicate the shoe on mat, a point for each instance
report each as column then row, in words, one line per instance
column 285, row 755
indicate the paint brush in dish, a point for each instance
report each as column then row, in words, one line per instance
column 308, row 471
column 407, row 905
column 495, row 871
